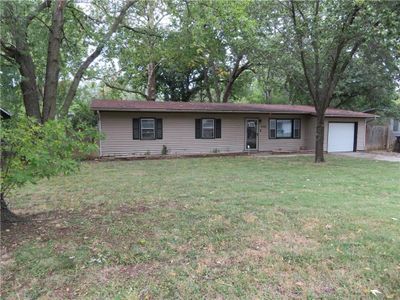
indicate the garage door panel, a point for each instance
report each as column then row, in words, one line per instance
column 341, row 137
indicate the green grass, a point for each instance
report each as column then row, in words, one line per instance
column 229, row 227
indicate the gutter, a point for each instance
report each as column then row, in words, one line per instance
column 230, row 111
column 200, row 111
column 99, row 129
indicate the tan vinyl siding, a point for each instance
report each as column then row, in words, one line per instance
column 310, row 133
column 179, row 134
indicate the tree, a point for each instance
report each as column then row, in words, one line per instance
column 18, row 46
column 369, row 81
column 225, row 36
column 199, row 53
column 31, row 151
column 325, row 37
column 139, row 49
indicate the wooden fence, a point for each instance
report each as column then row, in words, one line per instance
column 376, row 137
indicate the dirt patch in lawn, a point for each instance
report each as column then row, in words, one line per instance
column 258, row 248
column 283, row 240
column 36, row 227
column 249, row 218
column 129, row 209
column 109, row 274
column 69, row 224
column 311, row 224
column 297, row 285
column 293, row 241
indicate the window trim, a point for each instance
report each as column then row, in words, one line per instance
column 141, row 129
column 202, row 129
column 292, row 137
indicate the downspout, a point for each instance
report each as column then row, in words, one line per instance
column 99, row 129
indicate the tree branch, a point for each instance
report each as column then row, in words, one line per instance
column 73, row 8
column 41, row 21
column 7, row 58
column 10, row 51
column 118, row 88
column 299, row 39
column 141, row 31
column 39, row 9
column 315, row 45
column 334, row 74
column 85, row 64
column 346, row 62
column 78, row 20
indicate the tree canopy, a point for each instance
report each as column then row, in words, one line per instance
column 208, row 50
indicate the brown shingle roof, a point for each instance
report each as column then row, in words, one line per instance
column 155, row 106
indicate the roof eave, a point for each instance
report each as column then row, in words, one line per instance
column 195, row 111
column 225, row 111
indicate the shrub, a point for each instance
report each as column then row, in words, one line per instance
column 164, row 150
column 31, row 151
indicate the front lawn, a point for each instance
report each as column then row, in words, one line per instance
column 228, row 227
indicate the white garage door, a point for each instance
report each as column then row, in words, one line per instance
column 340, row 137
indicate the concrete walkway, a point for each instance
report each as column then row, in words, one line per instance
column 389, row 156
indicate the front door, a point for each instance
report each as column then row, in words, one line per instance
column 251, row 134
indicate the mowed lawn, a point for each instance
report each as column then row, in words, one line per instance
column 227, row 227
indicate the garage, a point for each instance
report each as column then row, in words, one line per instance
column 342, row 137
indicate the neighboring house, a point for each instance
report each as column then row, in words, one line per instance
column 145, row 127
column 394, row 127
column 394, row 132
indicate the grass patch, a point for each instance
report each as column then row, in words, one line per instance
column 228, row 227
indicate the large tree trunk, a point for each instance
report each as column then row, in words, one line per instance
column 235, row 73
column 207, row 85
column 20, row 52
column 7, row 216
column 319, row 140
column 216, row 83
column 151, row 82
column 29, row 89
column 53, row 62
column 268, row 95
column 228, row 89
column 28, row 84
column 151, row 66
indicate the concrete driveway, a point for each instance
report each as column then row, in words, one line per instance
column 385, row 156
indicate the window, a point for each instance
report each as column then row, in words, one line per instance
column 207, row 129
column 147, row 129
column 396, row 125
column 284, row 128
